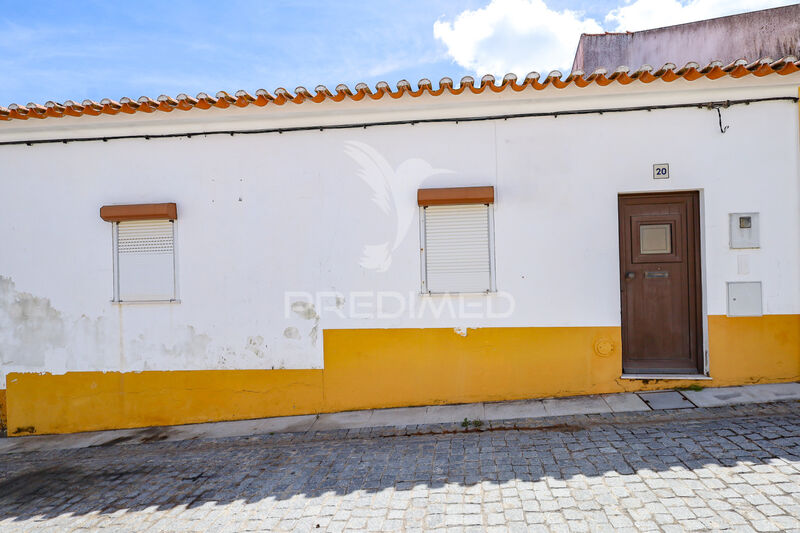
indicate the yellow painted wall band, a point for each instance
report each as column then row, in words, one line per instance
column 376, row 368
column 85, row 401
column 3, row 419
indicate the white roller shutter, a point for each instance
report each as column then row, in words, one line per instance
column 457, row 248
column 145, row 260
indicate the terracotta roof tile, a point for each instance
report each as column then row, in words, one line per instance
column 622, row 75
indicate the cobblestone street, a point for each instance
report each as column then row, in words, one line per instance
column 732, row 468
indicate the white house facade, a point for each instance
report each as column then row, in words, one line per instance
column 217, row 258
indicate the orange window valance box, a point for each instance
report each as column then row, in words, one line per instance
column 456, row 196
column 123, row 213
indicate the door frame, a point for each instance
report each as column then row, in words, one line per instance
column 699, row 254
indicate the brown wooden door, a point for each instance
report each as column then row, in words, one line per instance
column 660, row 283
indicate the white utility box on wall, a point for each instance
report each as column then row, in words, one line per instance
column 744, row 230
column 744, row 298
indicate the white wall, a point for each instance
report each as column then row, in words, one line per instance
column 260, row 215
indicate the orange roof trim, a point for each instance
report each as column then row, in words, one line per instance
column 622, row 75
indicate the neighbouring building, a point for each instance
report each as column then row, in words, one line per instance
column 750, row 36
column 222, row 257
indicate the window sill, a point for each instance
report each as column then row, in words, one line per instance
column 144, row 302
column 440, row 294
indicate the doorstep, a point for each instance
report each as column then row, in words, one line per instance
column 625, row 402
column 667, row 377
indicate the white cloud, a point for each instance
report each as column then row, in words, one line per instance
column 523, row 35
column 645, row 14
column 514, row 36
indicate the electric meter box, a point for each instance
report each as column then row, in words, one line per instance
column 744, row 230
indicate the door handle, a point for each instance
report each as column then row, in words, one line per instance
column 630, row 275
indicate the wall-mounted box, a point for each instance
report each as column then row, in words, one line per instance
column 744, row 230
column 744, row 298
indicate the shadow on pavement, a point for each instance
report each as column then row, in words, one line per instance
column 107, row 479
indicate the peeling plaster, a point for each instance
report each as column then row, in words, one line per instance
column 29, row 326
column 37, row 337
column 228, row 354
column 307, row 311
column 191, row 342
column 292, row 333
column 256, row 346
column 85, row 336
column 185, row 343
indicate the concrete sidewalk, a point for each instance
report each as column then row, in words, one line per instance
column 415, row 416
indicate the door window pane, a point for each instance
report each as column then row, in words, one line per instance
column 655, row 239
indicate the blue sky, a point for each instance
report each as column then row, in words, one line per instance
column 97, row 49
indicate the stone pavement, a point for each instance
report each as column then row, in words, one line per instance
column 710, row 468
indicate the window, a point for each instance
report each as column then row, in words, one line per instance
column 655, row 239
column 144, row 251
column 457, row 239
